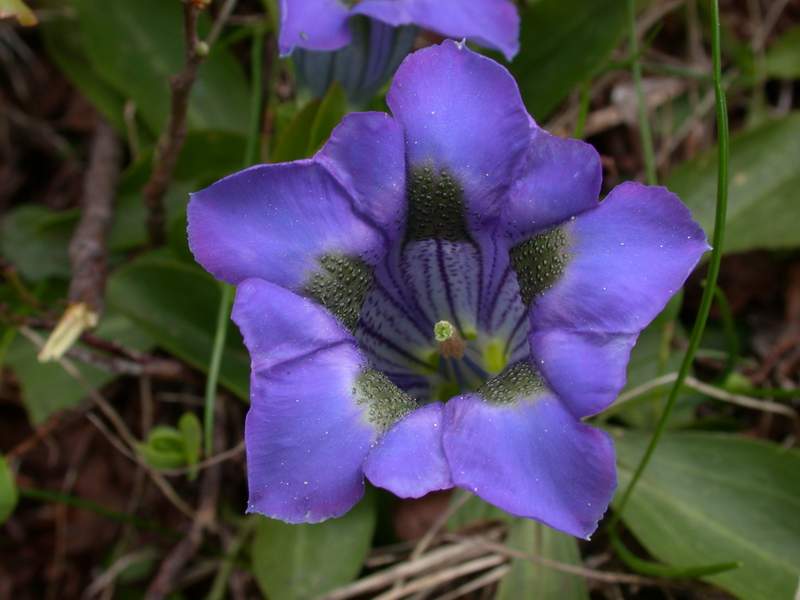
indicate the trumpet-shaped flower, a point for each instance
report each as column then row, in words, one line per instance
column 437, row 298
column 324, row 24
column 359, row 43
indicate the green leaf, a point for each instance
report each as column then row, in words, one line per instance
column 136, row 46
column 712, row 498
column 64, row 46
column 764, row 200
column 301, row 562
column 35, row 239
column 192, row 432
column 8, row 491
column 294, row 139
column 47, row 388
column 782, row 59
column 165, row 448
column 175, row 303
column 330, row 113
column 531, row 580
column 563, row 43
column 652, row 357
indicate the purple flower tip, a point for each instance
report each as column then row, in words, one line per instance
column 438, row 298
column 323, row 24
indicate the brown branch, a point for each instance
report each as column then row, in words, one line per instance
column 160, row 368
column 172, row 138
column 174, row 134
column 87, row 249
column 570, row 569
column 462, row 551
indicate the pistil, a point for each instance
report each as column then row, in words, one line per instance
column 451, row 344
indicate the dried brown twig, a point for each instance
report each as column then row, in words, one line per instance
column 87, row 249
column 461, row 551
column 171, row 140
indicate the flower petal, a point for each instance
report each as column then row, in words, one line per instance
column 409, row 460
column 464, row 119
column 276, row 222
column 491, row 23
column 531, row 458
column 314, row 25
column 306, row 434
column 628, row 257
column 365, row 154
column 561, row 178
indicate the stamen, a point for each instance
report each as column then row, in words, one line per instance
column 451, row 344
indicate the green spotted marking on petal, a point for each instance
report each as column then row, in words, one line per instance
column 436, row 207
column 517, row 382
column 386, row 403
column 539, row 262
column 340, row 286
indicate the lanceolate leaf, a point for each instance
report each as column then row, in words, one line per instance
column 136, row 46
column 302, row 562
column 783, row 57
column 528, row 579
column 175, row 303
column 8, row 491
column 563, row 42
column 764, row 200
column 711, row 498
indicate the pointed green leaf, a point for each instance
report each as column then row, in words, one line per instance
column 192, row 431
column 714, row 498
column 136, row 46
column 528, row 579
column 175, row 303
column 563, row 42
column 764, row 200
column 330, row 113
column 302, row 562
column 293, row 140
column 783, row 57
column 8, row 491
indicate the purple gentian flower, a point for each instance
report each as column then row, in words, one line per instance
column 323, row 24
column 437, row 298
column 360, row 43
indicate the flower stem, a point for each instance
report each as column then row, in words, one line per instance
column 221, row 330
column 713, row 266
column 644, row 124
column 80, row 503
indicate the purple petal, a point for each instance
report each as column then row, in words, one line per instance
column 306, row 435
column 274, row 222
column 278, row 326
column 366, row 155
column 491, row 23
column 314, row 25
column 589, row 369
column 409, row 460
column 532, row 459
column 445, row 276
column 462, row 113
column 628, row 257
column 561, row 178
